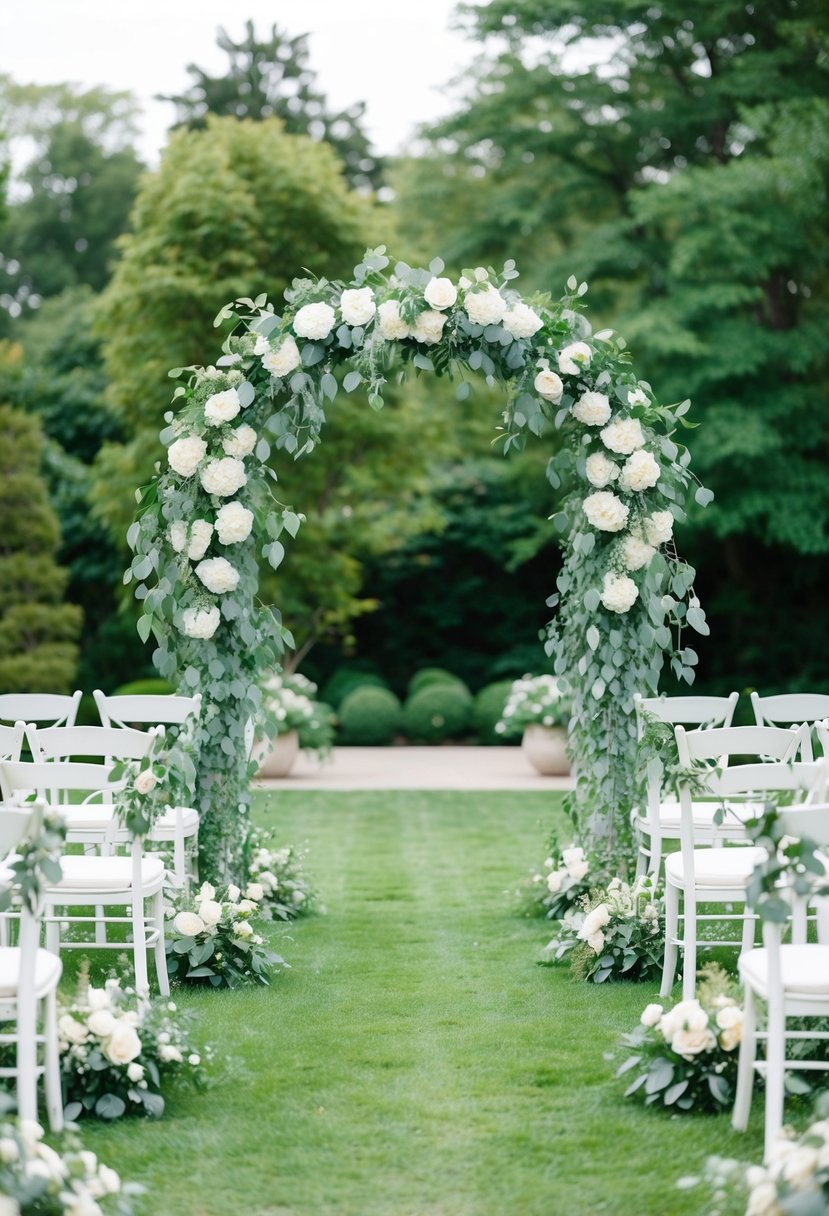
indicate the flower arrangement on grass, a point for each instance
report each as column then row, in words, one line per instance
column 36, row 1180
column 211, row 941
column 533, row 701
column 685, row 1056
column 616, row 933
column 276, row 880
column 119, row 1055
column 290, row 703
column 563, row 883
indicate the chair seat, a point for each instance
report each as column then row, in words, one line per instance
column 804, row 969
column 703, row 815
column 105, row 874
column 168, row 821
column 48, row 968
column 88, row 817
column 716, row 867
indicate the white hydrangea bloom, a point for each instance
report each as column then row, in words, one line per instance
column 315, row 321
column 429, row 327
column 223, row 477
column 600, row 470
column 659, row 527
column 440, row 293
column 605, row 511
column 218, row 575
column 177, row 534
column 624, row 435
column 261, row 346
column 357, row 305
column 592, row 408
column 222, row 407
column 637, row 396
column 283, row 361
column 392, row 325
column 240, row 442
column 619, row 593
column 574, row 358
column 186, row 454
column 201, row 533
column 636, row 552
column 485, row 307
column 233, row 523
column 522, row 321
column 548, row 385
column 639, row 472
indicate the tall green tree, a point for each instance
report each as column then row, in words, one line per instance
column 38, row 633
column 270, row 77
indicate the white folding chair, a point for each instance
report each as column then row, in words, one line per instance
column 720, row 875
column 102, row 882
column 791, row 709
column 793, row 981
column 11, row 741
column 29, row 979
column 660, row 820
column 51, row 709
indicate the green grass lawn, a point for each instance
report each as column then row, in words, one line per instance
column 415, row 1061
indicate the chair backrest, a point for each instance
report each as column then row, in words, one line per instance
column 51, row 709
column 789, row 708
column 17, row 823
column 690, row 711
column 772, row 742
column 146, row 709
column 52, row 779
column 106, row 742
column 811, row 820
column 11, row 741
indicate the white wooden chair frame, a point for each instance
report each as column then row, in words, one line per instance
column 52, row 709
column 791, row 708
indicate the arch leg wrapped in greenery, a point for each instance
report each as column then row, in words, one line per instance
column 208, row 517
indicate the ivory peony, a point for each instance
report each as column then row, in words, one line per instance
column 315, row 321
column 123, row 1045
column 595, row 920
column 222, row 407
column 623, row 436
column 593, row 409
column 211, row 911
column 188, row 924
column 619, row 593
column 548, row 385
column 639, row 472
column 522, row 321
column 146, row 782
column 200, row 623
column 392, row 325
column 605, row 511
column 651, row 1014
column 659, row 527
column 636, row 553
column 186, row 454
column 485, row 307
column 101, row 1023
column 177, row 534
column 233, row 523
column 223, row 477
column 429, row 327
column 440, row 293
column 574, row 358
column 201, row 534
column 283, row 361
column 357, row 305
column 600, row 470
column 240, row 442
column 218, row 575
column 690, row 1043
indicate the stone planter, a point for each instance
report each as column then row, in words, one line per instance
column 546, row 749
column 276, row 757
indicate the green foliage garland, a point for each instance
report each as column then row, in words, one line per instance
column 206, row 517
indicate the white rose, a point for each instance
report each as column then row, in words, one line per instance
column 218, row 575
column 247, row 905
column 186, row 454
column 222, row 407
column 593, row 409
column 548, row 385
column 623, row 436
column 283, row 361
column 440, row 293
column 691, row 1042
column 573, row 358
column 223, row 477
column 206, row 891
column 639, row 472
column 254, row 891
column 600, row 470
column 522, row 321
column 98, row 998
column 177, row 533
column 485, row 307
column 135, row 1072
column 763, row 1200
column 619, row 593
column 555, row 881
column 211, row 911
column 392, row 325
column 233, row 893
column 429, row 327
column 605, row 511
column 637, row 396
column 9, row 1152
column 201, row 623
column 315, row 321
column 201, row 533
column 571, row 855
column 194, row 1059
column 72, row 1031
column 651, row 1014
column 240, row 442
column 101, row 1023
column 636, row 553
column 233, row 523
column 357, row 305
column 577, row 870
column 170, row 1054
column 595, row 920
column 799, row 1165
column 261, row 346
column 123, row 1044
column 188, row 924
column 596, row 942
column 659, row 527
column 242, row 929
column 686, row 1015
column 109, row 1178
column 146, row 781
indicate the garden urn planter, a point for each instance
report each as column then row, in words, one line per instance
column 276, row 757
column 546, row 749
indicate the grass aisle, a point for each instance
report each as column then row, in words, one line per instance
column 415, row 1061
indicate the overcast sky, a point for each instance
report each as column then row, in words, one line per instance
column 393, row 54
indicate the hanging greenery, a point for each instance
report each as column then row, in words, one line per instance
column 213, row 510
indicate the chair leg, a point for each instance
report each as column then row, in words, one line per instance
column 671, row 948
column 689, row 947
column 641, row 860
column 159, row 951
column 139, row 945
column 179, row 863
column 745, row 1064
column 775, row 1056
column 749, row 924
column 656, row 856
column 52, row 935
column 51, row 1060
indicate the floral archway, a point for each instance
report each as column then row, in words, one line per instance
column 623, row 595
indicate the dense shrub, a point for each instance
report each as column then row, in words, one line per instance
column 144, row 688
column 438, row 712
column 428, row 676
column 369, row 717
column 487, row 710
column 346, row 680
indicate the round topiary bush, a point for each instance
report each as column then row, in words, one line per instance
column 145, row 688
column 428, row 676
column 437, row 712
column 369, row 717
column 489, row 705
column 346, row 680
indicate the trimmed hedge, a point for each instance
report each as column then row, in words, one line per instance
column 489, row 705
column 145, row 688
column 437, row 712
column 428, row 676
column 346, row 680
column 369, row 717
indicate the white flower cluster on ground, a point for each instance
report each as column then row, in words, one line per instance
column 533, row 700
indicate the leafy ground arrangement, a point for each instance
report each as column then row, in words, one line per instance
column 415, row 1061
